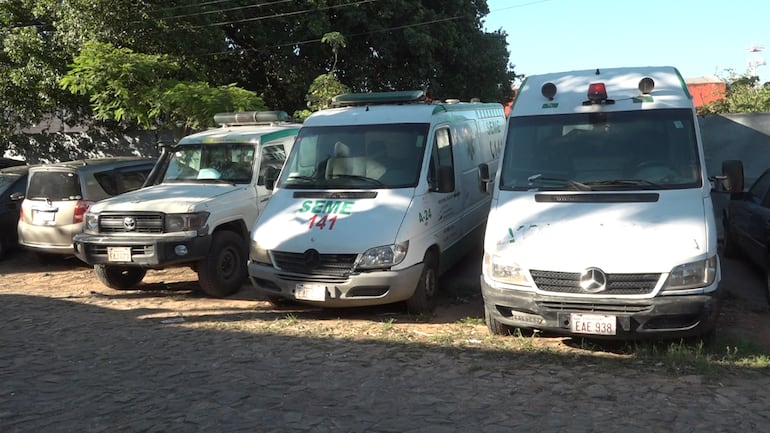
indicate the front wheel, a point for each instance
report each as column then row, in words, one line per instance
column 493, row 325
column 223, row 271
column 423, row 299
column 119, row 277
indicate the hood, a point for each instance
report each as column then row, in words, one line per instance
column 331, row 221
column 168, row 198
column 615, row 237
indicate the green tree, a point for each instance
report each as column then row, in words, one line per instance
column 744, row 95
column 325, row 86
column 125, row 86
column 390, row 45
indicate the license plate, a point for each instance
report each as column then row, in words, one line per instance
column 310, row 292
column 596, row 324
column 119, row 254
column 43, row 217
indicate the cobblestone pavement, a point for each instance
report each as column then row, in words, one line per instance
column 77, row 357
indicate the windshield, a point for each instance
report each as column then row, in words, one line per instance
column 361, row 156
column 653, row 149
column 220, row 162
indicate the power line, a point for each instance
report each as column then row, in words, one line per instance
column 309, row 41
column 519, row 5
column 216, row 11
column 283, row 14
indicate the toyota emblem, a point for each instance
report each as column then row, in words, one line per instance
column 593, row 280
column 129, row 223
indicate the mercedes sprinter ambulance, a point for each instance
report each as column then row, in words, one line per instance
column 601, row 223
column 378, row 197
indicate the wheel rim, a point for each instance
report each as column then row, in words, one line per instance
column 228, row 263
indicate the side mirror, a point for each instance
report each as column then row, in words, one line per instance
column 484, row 178
column 732, row 173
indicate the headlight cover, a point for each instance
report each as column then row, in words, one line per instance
column 258, row 254
column 91, row 223
column 182, row 222
column 504, row 270
column 383, row 257
column 692, row 275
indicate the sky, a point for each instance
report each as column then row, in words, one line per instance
column 700, row 38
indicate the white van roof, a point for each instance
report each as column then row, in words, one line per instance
column 625, row 91
column 394, row 107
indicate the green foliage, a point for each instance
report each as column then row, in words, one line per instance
column 744, row 95
column 125, row 86
column 276, row 52
column 322, row 90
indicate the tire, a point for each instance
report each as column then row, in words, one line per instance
column 119, row 277
column 423, row 299
column 2, row 248
column 495, row 327
column 223, row 271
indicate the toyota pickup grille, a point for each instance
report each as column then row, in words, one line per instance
column 131, row 223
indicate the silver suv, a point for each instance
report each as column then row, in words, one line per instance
column 58, row 196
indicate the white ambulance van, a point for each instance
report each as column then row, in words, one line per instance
column 378, row 197
column 601, row 222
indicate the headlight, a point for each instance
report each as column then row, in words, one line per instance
column 258, row 254
column 91, row 223
column 182, row 222
column 692, row 275
column 383, row 257
column 504, row 271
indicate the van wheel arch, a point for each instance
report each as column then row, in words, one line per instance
column 423, row 299
column 493, row 325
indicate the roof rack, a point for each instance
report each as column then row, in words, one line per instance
column 250, row 118
column 374, row 98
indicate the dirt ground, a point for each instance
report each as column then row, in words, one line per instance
column 173, row 294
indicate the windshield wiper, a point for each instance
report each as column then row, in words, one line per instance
column 571, row 183
column 357, row 177
column 627, row 183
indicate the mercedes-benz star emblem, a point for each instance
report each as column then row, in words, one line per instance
column 593, row 280
column 311, row 259
column 129, row 223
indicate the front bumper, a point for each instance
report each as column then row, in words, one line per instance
column 661, row 316
column 146, row 251
column 360, row 289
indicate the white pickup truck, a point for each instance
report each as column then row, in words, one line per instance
column 196, row 209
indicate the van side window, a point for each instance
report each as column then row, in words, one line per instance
column 441, row 175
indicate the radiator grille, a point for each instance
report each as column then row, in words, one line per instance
column 617, row 284
column 131, row 223
column 336, row 265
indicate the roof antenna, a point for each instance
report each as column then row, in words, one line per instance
column 597, row 71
